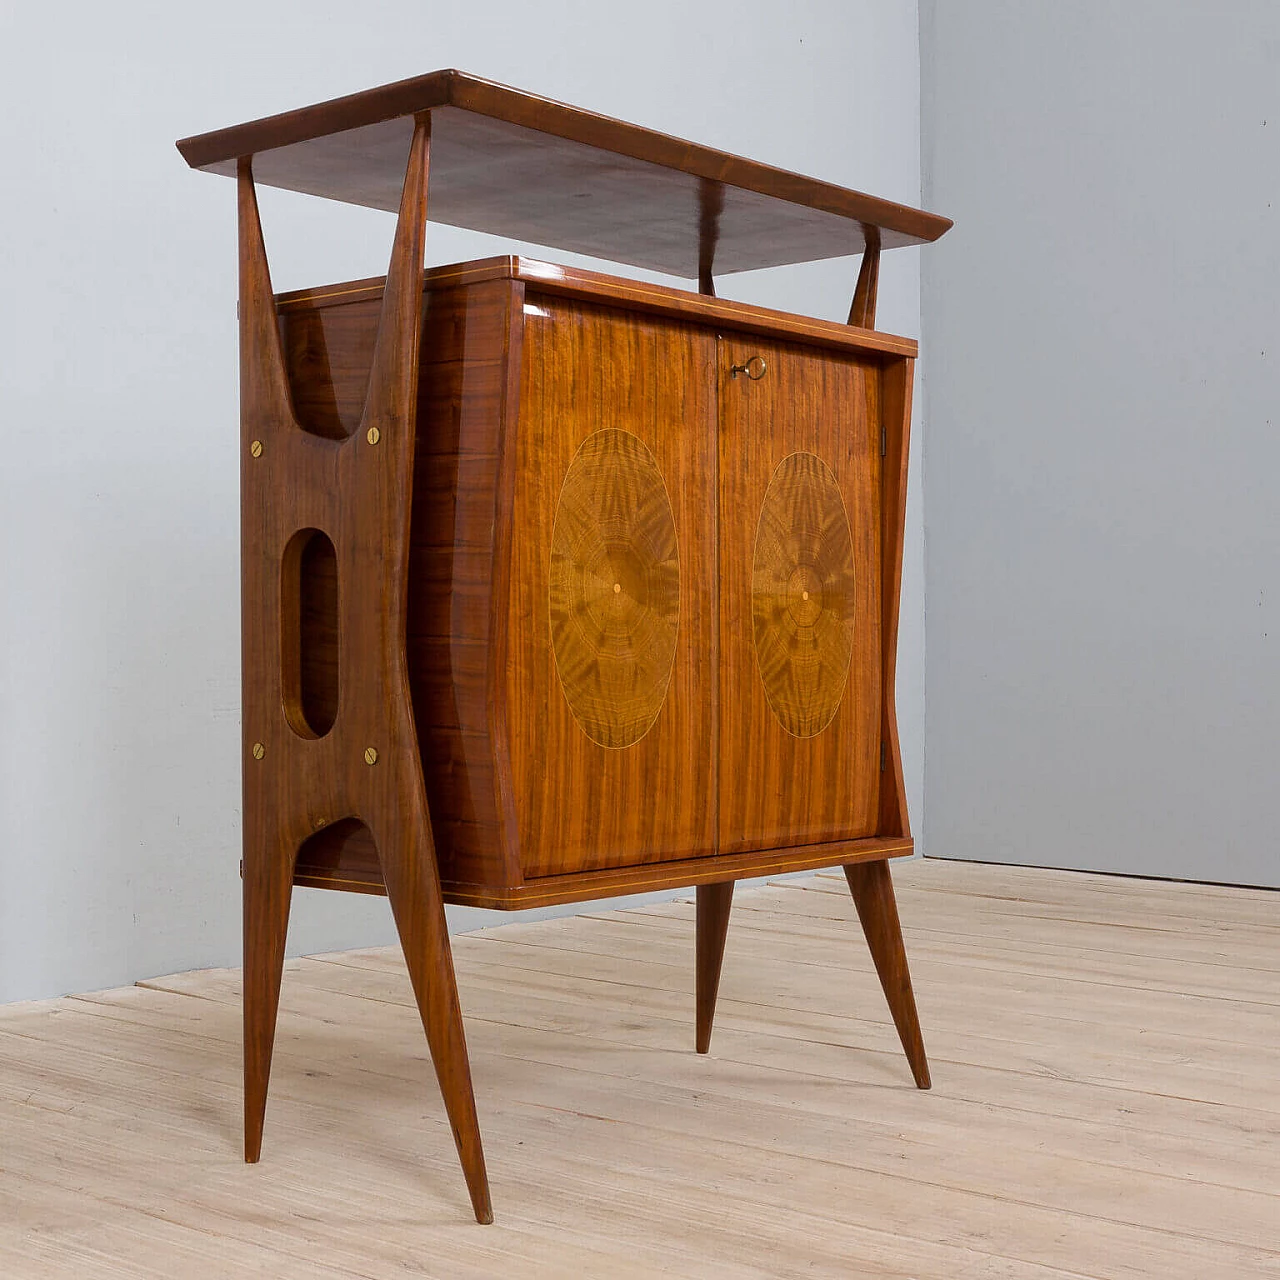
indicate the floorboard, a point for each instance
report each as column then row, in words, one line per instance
column 1106, row 1100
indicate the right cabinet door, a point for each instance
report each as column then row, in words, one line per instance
column 799, row 516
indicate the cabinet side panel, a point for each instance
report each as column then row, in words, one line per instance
column 461, row 403
column 800, row 600
column 896, row 420
column 612, row 642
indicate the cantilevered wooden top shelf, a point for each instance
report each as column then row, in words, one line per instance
column 525, row 167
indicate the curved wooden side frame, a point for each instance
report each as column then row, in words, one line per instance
column 862, row 313
column 357, row 492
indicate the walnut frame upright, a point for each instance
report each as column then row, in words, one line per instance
column 379, row 750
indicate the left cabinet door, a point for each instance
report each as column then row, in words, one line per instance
column 610, row 677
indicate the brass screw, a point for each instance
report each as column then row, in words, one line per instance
column 371, row 755
column 256, row 448
column 373, row 435
column 259, row 751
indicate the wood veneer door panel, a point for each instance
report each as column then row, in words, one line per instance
column 610, row 684
column 800, row 625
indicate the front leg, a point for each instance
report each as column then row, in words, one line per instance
column 872, row 891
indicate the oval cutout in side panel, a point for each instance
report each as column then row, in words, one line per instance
column 309, row 640
column 802, row 594
column 614, row 588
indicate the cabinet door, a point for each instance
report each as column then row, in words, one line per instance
column 800, row 595
column 612, row 600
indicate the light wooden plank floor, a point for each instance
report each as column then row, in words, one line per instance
column 1106, row 1101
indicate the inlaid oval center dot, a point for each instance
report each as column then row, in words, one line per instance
column 614, row 649
column 802, row 594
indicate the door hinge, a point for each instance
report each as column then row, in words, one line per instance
column 883, row 758
column 884, row 442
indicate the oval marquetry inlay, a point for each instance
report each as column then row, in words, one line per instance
column 802, row 594
column 615, row 588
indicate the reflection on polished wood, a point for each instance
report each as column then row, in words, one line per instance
column 517, row 165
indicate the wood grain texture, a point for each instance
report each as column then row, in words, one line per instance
column 872, row 890
column 580, row 805
column 587, row 183
column 469, row 353
column 582, row 886
column 457, row 643
column 632, row 295
column 366, row 768
column 862, row 312
column 803, row 594
column 714, row 902
column 1103, row 1104
column 614, row 591
column 467, row 540
column 778, row 789
column 896, row 427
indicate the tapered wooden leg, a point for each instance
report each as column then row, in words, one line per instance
column 356, row 491
column 872, row 890
column 714, row 901
column 268, row 885
column 413, row 887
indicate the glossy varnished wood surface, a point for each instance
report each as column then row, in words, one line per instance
column 711, row 929
column 614, row 592
column 459, row 571
column 871, row 886
column 631, row 295
column 581, row 804
column 365, row 770
column 583, row 886
column 896, row 385
column 452, row 647
column 586, row 183
column 778, row 788
column 803, row 594
column 517, row 822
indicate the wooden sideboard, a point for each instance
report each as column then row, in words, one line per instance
column 559, row 585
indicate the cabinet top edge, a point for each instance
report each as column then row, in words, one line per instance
column 635, row 295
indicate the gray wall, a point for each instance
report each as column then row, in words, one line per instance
column 119, row 694
column 1102, row 435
